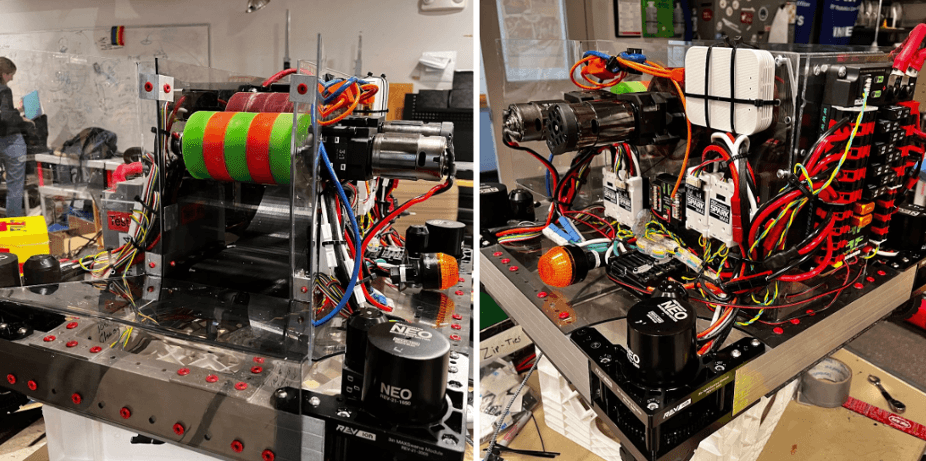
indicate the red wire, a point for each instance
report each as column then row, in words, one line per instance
column 817, row 270
column 277, row 76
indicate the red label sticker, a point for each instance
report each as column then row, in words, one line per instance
column 746, row 17
column 707, row 14
column 118, row 221
column 192, row 212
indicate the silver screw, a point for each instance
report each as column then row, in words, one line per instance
column 652, row 405
column 448, row 440
column 719, row 367
column 842, row 72
column 735, row 353
column 453, row 369
column 22, row 331
column 817, row 70
column 595, row 345
column 782, row 174
column 344, row 412
column 3, row 326
column 314, row 401
column 788, row 120
column 605, row 359
column 756, row 342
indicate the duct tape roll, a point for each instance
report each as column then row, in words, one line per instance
column 241, row 146
column 826, row 384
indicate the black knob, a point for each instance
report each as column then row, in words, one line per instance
column 522, row 205
column 41, row 270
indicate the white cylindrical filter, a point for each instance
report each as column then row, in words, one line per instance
column 652, row 19
column 678, row 20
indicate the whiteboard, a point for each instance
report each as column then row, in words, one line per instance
column 83, row 81
column 182, row 43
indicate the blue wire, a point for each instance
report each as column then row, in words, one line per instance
column 599, row 54
column 340, row 90
column 549, row 191
column 358, row 260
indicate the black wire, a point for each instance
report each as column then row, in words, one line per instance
column 326, row 357
column 549, row 166
column 543, row 447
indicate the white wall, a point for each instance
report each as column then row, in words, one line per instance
column 394, row 31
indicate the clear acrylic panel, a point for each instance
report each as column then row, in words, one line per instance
column 84, row 118
column 213, row 327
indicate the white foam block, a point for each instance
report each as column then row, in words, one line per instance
column 754, row 80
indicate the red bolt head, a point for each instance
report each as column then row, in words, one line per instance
column 183, row 371
column 212, row 379
column 795, row 321
column 96, row 349
column 237, row 446
column 258, row 360
column 778, row 330
column 811, row 313
column 461, row 280
column 173, row 264
column 11, row 379
column 858, row 285
column 456, row 326
column 150, row 289
column 455, row 337
column 257, row 370
column 304, row 289
column 71, row 325
column 497, row 254
column 32, row 385
column 71, row 343
column 563, row 315
column 882, row 273
column 241, row 386
column 302, row 88
column 166, row 88
column 179, row 429
column 125, row 413
column 76, row 398
column 267, row 455
column 506, row 260
column 542, row 294
column 149, row 87
column 49, row 338
column 152, row 265
column 457, row 317
column 869, row 279
column 513, row 269
column 458, row 292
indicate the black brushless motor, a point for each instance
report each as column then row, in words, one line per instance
column 661, row 344
column 416, row 240
column 493, row 205
column 41, row 270
column 445, row 236
column 405, row 378
column 9, row 270
column 357, row 328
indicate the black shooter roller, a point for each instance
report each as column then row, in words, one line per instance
column 405, row 378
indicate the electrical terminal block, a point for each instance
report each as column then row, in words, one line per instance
column 624, row 199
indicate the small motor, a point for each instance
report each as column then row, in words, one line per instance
column 661, row 340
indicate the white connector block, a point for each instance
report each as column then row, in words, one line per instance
column 623, row 199
column 720, row 211
column 697, row 189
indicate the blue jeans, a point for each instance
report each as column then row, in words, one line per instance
column 13, row 158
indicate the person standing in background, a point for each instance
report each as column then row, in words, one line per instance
column 12, row 145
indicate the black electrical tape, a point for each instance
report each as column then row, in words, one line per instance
column 707, row 80
column 145, row 205
column 752, row 102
